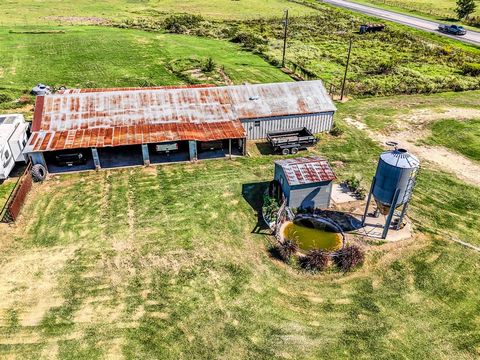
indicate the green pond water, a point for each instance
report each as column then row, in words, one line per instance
column 309, row 239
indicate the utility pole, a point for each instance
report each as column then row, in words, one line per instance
column 346, row 69
column 285, row 32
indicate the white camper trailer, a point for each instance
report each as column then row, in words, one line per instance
column 13, row 138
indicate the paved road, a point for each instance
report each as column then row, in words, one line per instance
column 472, row 37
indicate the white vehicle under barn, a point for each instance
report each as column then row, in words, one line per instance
column 13, row 138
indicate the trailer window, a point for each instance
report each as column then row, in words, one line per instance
column 257, row 123
column 6, row 155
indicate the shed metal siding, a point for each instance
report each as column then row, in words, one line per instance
column 281, row 178
column 316, row 123
column 308, row 196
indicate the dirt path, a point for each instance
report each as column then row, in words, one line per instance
column 412, row 127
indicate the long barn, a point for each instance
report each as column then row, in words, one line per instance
column 135, row 126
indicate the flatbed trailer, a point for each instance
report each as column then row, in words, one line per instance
column 290, row 141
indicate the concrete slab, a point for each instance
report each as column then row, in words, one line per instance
column 341, row 194
column 374, row 228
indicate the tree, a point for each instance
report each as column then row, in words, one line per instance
column 465, row 8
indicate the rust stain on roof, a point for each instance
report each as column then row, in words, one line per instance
column 306, row 170
column 112, row 117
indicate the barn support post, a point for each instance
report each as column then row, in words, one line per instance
column 229, row 148
column 192, row 147
column 244, row 146
column 96, row 159
column 38, row 158
column 146, row 155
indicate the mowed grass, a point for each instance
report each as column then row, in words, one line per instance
column 169, row 262
column 28, row 12
column 163, row 263
column 109, row 57
column 461, row 136
column 380, row 112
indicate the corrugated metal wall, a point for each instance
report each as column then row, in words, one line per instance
column 311, row 197
column 316, row 123
column 280, row 177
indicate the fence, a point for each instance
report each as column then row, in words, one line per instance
column 17, row 197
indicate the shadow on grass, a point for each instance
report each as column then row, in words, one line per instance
column 253, row 194
column 264, row 148
column 346, row 221
column 449, row 19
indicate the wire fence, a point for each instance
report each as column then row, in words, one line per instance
column 17, row 197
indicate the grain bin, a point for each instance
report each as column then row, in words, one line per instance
column 396, row 171
column 393, row 184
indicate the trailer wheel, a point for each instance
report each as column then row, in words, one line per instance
column 39, row 172
column 294, row 150
column 285, row 151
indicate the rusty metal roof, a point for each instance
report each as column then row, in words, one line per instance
column 114, row 117
column 306, row 170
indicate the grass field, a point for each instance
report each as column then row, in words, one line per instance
column 380, row 113
column 399, row 60
column 170, row 262
column 167, row 263
column 51, row 11
column 98, row 57
column 462, row 136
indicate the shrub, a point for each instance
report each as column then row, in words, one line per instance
column 315, row 260
column 287, row 249
column 248, row 40
column 270, row 208
column 179, row 24
column 336, row 131
column 349, row 258
column 5, row 98
column 353, row 184
column 209, row 65
column 471, row 69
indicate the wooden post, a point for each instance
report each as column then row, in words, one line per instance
column 346, row 69
column 285, row 33
column 230, row 148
